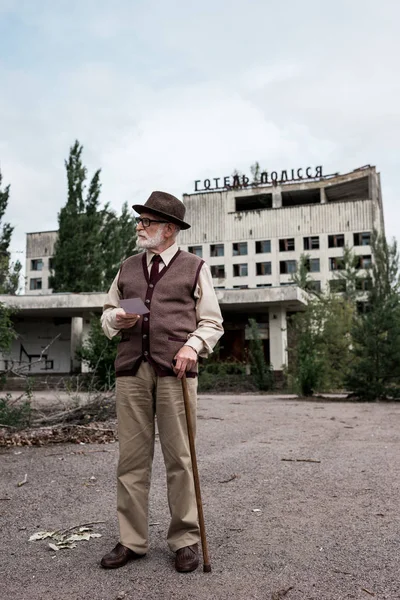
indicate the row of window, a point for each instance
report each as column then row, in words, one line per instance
column 335, row 285
column 289, row 266
column 285, row 245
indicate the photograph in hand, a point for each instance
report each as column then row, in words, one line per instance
column 134, row 306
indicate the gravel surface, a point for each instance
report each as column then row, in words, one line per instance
column 279, row 528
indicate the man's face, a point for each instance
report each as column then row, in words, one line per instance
column 151, row 237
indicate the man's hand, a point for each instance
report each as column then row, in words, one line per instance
column 184, row 361
column 126, row 320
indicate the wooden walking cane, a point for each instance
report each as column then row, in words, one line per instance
column 206, row 559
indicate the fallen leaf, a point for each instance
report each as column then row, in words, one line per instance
column 41, row 535
column 54, row 547
column 25, row 480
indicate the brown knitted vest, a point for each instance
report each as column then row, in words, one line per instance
column 159, row 335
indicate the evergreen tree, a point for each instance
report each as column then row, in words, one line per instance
column 9, row 272
column 375, row 366
column 92, row 241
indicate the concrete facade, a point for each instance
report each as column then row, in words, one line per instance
column 255, row 245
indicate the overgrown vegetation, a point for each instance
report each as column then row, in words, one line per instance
column 15, row 414
column 350, row 340
column 99, row 353
column 9, row 272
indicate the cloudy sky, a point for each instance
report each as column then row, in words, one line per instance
column 161, row 93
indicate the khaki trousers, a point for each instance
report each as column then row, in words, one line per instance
column 138, row 400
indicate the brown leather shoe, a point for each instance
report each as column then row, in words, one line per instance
column 118, row 557
column 187, row 559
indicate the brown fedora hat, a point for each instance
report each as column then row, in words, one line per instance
column 166, row 206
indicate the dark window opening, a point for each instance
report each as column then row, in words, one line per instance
column 364, row 262
column 218, row 271
column 258, row 202
column 337, row 286
column 37, row 264
column 263, row 268
column 300, row 197
column 362, row 239
column 363, row 284
column 287, row 266
column 239, row 248
column 358, row 189
column 336, row 263
column 312, row 265
column 311, row 243
column 286, row 245
column 217, row 250
column 240, row 270
column 240, row 287
column 263, row 285
column 35, row 284
column 197, row 250
column 336, row 241
column 314, row 285
column 263, row 246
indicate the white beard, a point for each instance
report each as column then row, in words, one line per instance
column 151, row 242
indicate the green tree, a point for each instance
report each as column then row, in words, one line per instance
column 92, row 240
column 9, row 272
column 77, row 262
column 375, row 365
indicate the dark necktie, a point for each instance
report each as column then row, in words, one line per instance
column 155, row 267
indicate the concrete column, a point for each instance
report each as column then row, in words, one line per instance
column 278, row 338
column 76, row 340
column 276, row 197
column 322, row 196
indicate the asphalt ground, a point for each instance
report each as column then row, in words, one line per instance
column 301, row 501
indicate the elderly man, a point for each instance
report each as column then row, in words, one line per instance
column 156, row 349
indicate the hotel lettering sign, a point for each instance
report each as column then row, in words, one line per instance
column 265, row 178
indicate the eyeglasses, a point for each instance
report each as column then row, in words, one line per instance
column 147, row 222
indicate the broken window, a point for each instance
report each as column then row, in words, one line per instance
column 287, row 266
column 257, row 202
column 240, row 270
column 218, row 271
column 286, row 245
column 263, row 246
column 364, row 262
column 336, row 263
column 336, row 241
column 197, row 250
column 217, row 250
column 300, row 197
column 239, row 248
column 263, row 268
column 35, row 284
column 311, row 243
column 337, row 286
column 362, row 239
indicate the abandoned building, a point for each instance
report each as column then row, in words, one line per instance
column 251, row 235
